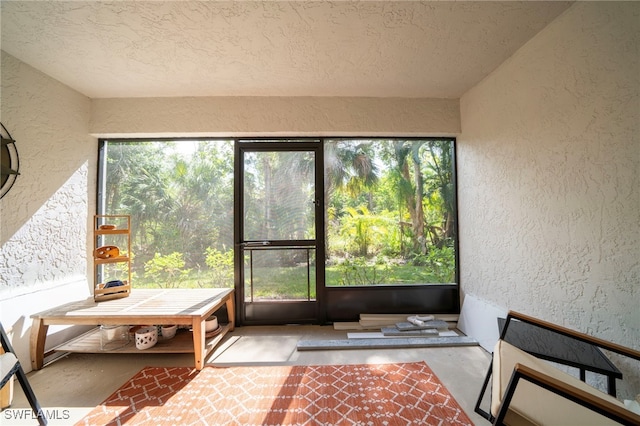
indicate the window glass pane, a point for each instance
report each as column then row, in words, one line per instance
column 180, row 198
column 390, row 212
column 279, row 195
column 279, row 275
column 390, row 209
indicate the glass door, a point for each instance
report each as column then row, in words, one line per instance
column 278, row 231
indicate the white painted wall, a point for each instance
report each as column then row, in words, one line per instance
column 299, row 116
column 44, row 218
column 549, row 177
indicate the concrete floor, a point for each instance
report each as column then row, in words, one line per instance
column 79, row 382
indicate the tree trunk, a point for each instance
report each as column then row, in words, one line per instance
column 418, row 220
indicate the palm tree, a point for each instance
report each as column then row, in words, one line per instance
column 348, row 166
column 424, row 168
column 411, row 186
column 440, row 180
column 200, row 193
column 136, row 185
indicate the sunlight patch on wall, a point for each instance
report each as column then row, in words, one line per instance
column 50, row 249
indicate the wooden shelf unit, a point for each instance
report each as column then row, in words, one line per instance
column 121, row 238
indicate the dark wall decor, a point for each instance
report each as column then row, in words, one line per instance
column 10, row 163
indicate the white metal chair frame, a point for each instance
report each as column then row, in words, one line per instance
column 560, row 388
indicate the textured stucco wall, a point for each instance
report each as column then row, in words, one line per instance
column 549, row 176
column 44, row 218
column 315, row 116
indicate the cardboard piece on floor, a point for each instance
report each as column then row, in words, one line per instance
column 479, row 320
column 376, row 321
column 402, row 317
column 344, row 326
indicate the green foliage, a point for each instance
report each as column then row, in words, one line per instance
column 358, row 227
column 366, row 234
column 221, row 267
column 179, row 196
column 440, row 262
column 360, row 271
column 166, row 271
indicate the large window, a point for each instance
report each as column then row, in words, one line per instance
column 390, row 212
column 180, row 198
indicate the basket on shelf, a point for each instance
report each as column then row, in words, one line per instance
column 105, row 291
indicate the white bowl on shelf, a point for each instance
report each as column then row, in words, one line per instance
column 146, row 337
column 169, row 331
column 211, row 324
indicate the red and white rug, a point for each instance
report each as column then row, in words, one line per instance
column 381, row 394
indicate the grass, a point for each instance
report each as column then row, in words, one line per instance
column 291, row 282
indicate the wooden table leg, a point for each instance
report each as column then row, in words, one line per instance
column 38, row 337
column 231, row 311
column 199, row 342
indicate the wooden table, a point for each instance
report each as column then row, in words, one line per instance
column 187, row 307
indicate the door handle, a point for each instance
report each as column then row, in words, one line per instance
column 254, row 244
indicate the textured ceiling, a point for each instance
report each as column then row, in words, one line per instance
column 272, row 48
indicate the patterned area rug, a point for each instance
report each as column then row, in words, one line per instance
column 383, row 394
